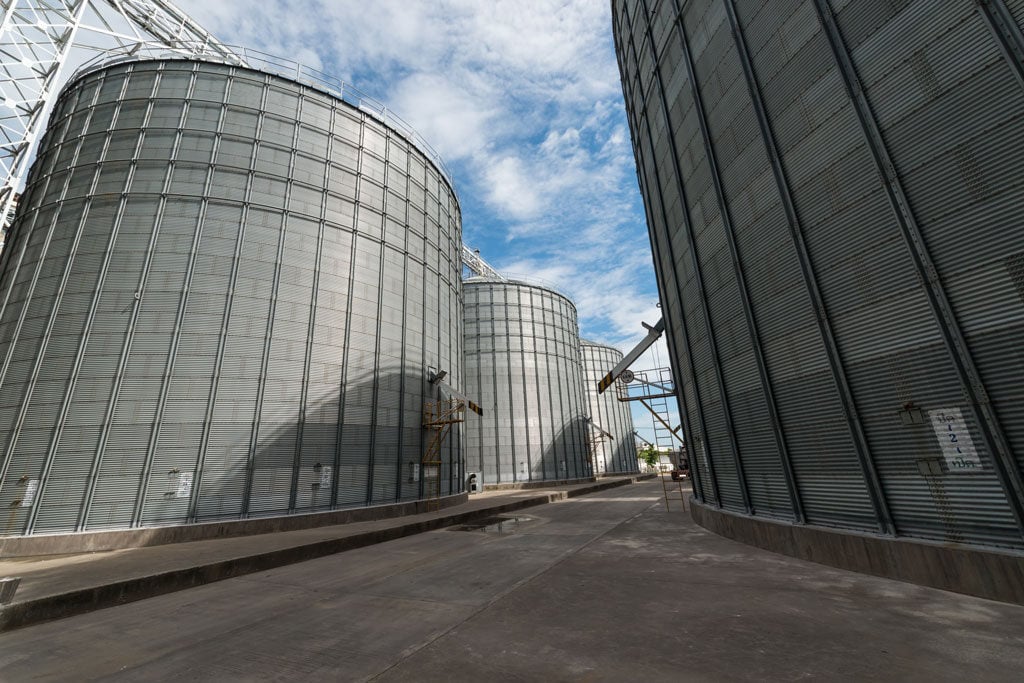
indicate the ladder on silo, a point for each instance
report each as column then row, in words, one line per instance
column 664, row 435
column 668, row 454
column 667, row 480
column 438, row 417
column 653, row 389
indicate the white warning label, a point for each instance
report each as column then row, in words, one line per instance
column 954, row 440
column 30, row 492
column 184, row 485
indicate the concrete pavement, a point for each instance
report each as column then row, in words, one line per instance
column 603, row 587
column 54, row 587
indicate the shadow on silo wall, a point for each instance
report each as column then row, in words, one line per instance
column 562, row 458
column 619, row 456
column 566, row 456
column 289, row 467
column 309, row 466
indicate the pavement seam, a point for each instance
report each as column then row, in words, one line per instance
column 120, row 592
column 409, row 652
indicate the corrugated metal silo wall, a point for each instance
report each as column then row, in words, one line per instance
column 619, row 453
column 220, row 298
column 522, row 353
column 834, row 198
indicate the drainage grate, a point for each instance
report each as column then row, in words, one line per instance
column 500, row 526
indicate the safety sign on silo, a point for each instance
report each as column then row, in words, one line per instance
column 955, row 440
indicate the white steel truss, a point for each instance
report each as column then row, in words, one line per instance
column 39, row 37
column 471, row 259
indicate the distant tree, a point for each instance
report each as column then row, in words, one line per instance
column 649, row 456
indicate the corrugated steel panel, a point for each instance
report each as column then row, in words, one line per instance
column 385, row 465
column 184, row 309
column 951, row 66
column 99, row 362
column 923, row 71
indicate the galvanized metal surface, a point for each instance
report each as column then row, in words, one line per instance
column 222, row 296
column 669, row 278
column 522, row 355
column 865, row 159
column 617, row 454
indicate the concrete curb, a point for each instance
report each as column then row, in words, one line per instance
column 122, row 539
column 984, row 573
column 122, row 591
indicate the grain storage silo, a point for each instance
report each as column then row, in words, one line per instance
column 617, row 452
column 834, row 199
column 522, row 360
column 221, row 298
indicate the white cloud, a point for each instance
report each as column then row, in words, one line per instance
column 512, row 189
column 445, row 113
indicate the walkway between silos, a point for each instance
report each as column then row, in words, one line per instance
column 603, row 587
column 54, row 587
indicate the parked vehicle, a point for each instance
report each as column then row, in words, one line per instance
column 681, row 471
